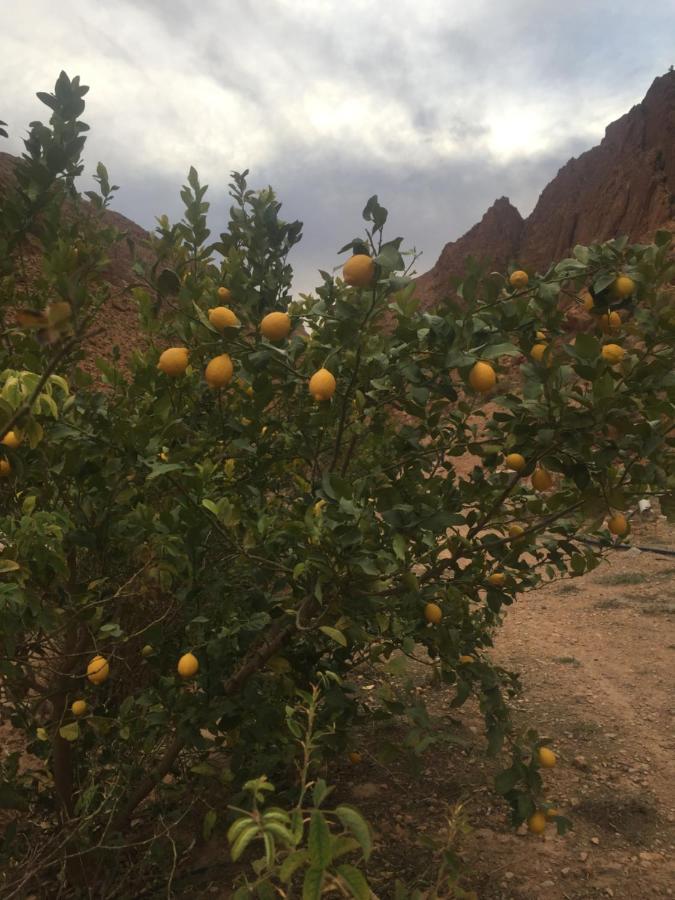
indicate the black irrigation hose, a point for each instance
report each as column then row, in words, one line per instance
column 660, row 550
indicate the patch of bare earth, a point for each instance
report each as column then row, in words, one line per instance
column 597, row 660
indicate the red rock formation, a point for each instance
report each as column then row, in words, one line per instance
column 626, row 185
column 495, row 238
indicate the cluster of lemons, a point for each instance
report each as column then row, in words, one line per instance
column 482, row 376
column 13, row 441
column 98, row 671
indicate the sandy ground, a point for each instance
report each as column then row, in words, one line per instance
column 597, row 660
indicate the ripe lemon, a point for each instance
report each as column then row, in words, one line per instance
column 612, row 353
column 588, row 302
column 537, row 353
column 618, row 524
column 552, row 813
column 224, row 293
column 147, row 651
column 5, row 468
column 518, row 279
column 276, row 326
column 546, row 758
column 219, row 371
column 464, row 659
column 355, row 757
column 482, row 377
column 174, row 361
column 516, row 531
column 497, row 579
column 515, row 461
column 359, row 270
column 537, row 823
column 11, row 440
column 623, row 287
column 540, row 336
column 79, row 708
column 188, row 665
column 610, row 322
column 433, row 613
column 541, row 479
column 322, row 385
column 222, row 317
column 98, row 670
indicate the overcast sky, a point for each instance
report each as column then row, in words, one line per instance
column 438, row 107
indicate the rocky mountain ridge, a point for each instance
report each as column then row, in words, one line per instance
column 625, row 185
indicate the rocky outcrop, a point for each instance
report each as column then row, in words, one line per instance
column 625, row 185
column 495, row 239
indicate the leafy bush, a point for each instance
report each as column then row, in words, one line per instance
column 279, row 538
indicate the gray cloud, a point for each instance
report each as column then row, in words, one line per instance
column 438, row 107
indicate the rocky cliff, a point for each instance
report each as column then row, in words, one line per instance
column 625, row 185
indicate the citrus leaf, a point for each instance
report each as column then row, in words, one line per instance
column 333, row 633
column 353, row 821
column 355, row 881
column 319, row 841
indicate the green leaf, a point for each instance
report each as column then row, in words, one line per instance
column 319, row 841
column 355, row 881
column 209, row 823
column 210, row 505
column 400, row 546
column 506, row 781
column 168, row 282
column 8, row 565
column 292, row 863
column 311, row 887
column 70, row 732
column 334, row 634
column 354, row 822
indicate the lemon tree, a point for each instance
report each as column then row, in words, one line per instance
column 268, row 490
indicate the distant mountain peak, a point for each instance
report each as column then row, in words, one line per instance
column 625, row 185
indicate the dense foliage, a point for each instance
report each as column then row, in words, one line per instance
column 161, row 510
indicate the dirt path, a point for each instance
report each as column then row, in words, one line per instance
column 597, row 661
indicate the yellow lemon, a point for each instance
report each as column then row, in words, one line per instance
column 359, row 270
column 276, row 326
column 98, row 670
column 79, row 708
column 541, row 479
column 610, row 322
column 433, row 613
column 322, row 385
column 546, row 758
column 188, row 665
column 588, row 302
column 537, row 823
column 174, row 361
column 516, row 531
column 552, row 813
column 623, row 287
column 613, row 353
column 540, row 336
column 482, row 377
column 515, row 461
column 219, row 371
column 147, row 651
column 11, row 440
column 618, row 524
column 518, row 279
column 464, row 659
column 224, row 293
column 5, row 468
column 222, row 317
column 497, row 579
column 538, row 351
